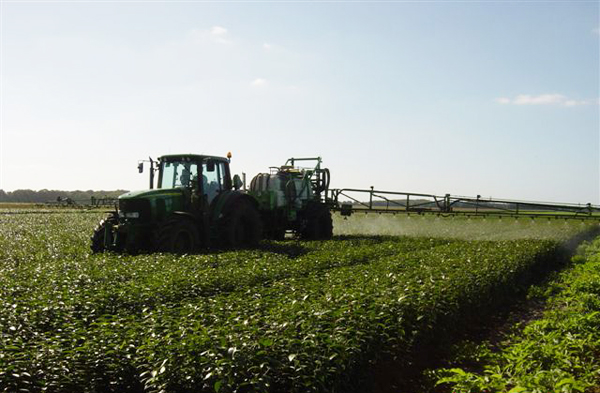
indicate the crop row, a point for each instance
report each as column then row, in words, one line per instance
column 292, row 316
column 557, row 353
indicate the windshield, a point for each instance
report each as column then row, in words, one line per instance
column 180, row 173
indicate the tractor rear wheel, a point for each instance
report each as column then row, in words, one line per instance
column 98, row 236
column 241, row 225
column 317, row 223
column 178, row 235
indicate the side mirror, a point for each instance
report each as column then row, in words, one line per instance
column 237, row 182
column 141, row 167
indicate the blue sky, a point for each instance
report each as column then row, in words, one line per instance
column 492, row 98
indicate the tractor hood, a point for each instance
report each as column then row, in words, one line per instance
column 151, row 205
column 156, row 193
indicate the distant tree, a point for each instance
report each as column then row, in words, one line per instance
column 43, row 196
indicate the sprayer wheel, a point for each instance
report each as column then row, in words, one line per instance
column 241, row 225
column 317, row 223
column 277, row 234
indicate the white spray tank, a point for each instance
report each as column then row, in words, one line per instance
column 289, row 186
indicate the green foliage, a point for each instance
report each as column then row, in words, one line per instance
column 557, row 353
column 291, row 316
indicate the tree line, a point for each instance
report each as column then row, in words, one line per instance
column 45, row 196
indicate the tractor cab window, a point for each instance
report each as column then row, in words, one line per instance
column 179, row 174
column 213, row 178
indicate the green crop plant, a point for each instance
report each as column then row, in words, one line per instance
column 289, row 316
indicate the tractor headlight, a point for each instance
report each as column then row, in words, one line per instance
column 123, row 214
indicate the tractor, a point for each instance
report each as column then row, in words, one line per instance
column 197, row 204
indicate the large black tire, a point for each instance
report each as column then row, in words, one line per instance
column 317, row 223
column 274, row 225
column 276, row 234
column 241, row 225
column 178, row 235
column 97, row 238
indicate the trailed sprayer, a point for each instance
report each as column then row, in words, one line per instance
column 196, row 203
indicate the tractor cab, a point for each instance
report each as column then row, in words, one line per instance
column 202, row 177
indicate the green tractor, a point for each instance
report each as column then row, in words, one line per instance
column 293, row 198
column 196, row 204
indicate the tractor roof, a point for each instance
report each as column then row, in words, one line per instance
column 195, row 157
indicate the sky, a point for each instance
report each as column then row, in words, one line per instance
column 498, row 99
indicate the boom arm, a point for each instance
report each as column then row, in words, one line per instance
column 407, row 202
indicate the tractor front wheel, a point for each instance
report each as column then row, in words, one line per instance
column 178, row 235
column 98, row 237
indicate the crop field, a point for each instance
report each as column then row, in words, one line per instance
column 291, row 316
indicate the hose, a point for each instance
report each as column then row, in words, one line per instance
column 323, row 181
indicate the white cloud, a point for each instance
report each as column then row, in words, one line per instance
column 218, row 31
column 543, row 99
column 576, row 103
column 267, row 46
column 596, row 30
column 259, row 82
column 217, row 34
